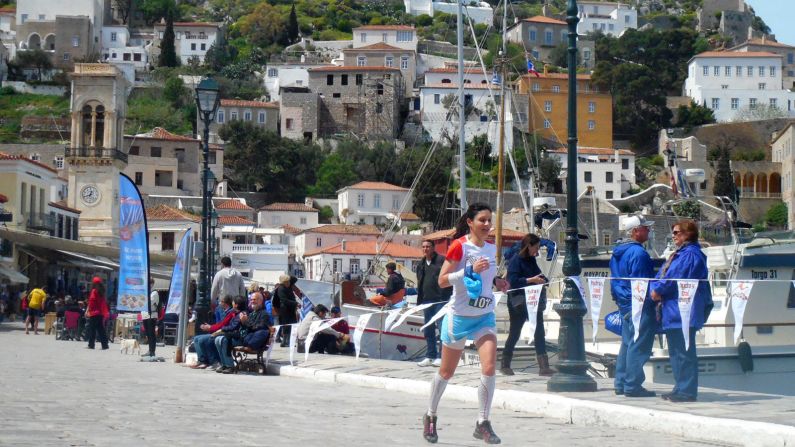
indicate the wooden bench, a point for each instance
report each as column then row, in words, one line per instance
column 250, row 359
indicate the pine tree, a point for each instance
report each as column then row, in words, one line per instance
column 168, row 52
column 724, row 182
column 292, row 26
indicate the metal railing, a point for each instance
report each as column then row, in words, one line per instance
column 95, row 152
column 760, row 195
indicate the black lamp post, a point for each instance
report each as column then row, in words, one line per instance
column 207, row 100
column 213, row 248
column 572, row 366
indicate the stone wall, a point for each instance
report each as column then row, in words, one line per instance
column 24, row 87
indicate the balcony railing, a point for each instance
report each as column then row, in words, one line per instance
column 760, row 195
column 41, row 222
column 95, row 152
column 271, row 249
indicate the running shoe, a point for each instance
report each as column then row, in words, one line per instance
column 429, row 428
column 425, row 362
column 484, row 431
column 437, row 363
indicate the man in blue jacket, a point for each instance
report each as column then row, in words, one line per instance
column 630, row 260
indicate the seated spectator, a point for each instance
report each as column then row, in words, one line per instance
column 325, row 340
column 395, row 288
column 254, row 327
column 229, row 336
column 204, row 343
column 343, row 328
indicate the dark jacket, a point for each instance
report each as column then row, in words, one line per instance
column 519, row 269
column 688, row 262
column 629, row 260
column 431, row 292
column 287, row 299
column 394, row 284
column 256, row 321
column 232, row 329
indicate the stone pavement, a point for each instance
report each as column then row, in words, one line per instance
column 57, row 393
column 721, row 416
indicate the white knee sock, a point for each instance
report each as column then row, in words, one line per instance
column 485, row 396
column 437, row 389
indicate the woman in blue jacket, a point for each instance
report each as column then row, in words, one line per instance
column 687, row 262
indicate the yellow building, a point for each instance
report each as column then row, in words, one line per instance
column 548, row 109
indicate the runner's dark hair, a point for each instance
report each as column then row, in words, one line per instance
column 461, row 227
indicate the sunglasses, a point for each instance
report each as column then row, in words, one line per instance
column 676, row 232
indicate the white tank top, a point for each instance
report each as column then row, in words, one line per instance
column 465, row 253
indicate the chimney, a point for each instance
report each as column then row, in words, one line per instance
column 309, row 201
column 343, row 245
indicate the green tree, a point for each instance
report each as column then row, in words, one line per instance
column 33, row 59
column 694, row 115
column 175, row 92
column 220, row 55
column 560, row 55
column 548, row 174
column 264, row 26
column 724, row 182
column 261, row 160
column 689, row 209
column 154, row 10
column 335, row 172
column 168, row 51
column 776, row 215
column 292, row 26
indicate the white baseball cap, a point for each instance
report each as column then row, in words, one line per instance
column 632, row 222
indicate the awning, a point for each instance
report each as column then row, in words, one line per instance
column 13, row 276
column 160, row 271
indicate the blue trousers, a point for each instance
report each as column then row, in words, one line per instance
column 205, row 349
column 430, row 332
column 256, row 340
column 634, row 354
column 222, row 347
column 683, row 363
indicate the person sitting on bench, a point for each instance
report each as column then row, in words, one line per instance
column 254, row 328
column 395, row 288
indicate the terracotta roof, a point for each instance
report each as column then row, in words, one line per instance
column 736, row 54
column 345, row 229
column 585, row 77
column 244, row 103
column 352, row 68
column 158, row 133
column 380, row 46
column 384, row 27
column 233, row 204
column 8, row 10
column 479, row 86
column 290, row 229
column 61, row 204
column 234, row 220
column 165, row 212
column 454, row 70
column 281, row 206
column 376, row 185
column 372, row 248
column 5, row 156
column 448, row 234
column 593, row 151
column 760, row 42
column 409, row 216
column 542, row 19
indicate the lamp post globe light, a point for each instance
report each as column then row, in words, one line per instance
column 572, row 366
column 207, row 99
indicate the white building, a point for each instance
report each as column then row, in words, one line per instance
column 732, row 83
column 328, row 235
column 191, row 39
column 783, row 151
column 296, row 215
column 480, row 12
column 278, row 75
column 166, row 226
column 372, row 203
column 118, row 49
column 352, row 258
column 609, row 18
column 449, row 74
column 401, row 36
column 610, row 172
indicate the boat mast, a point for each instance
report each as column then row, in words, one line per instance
column 501, row 156
column 462, row 176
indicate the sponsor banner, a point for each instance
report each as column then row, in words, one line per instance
column 687, row 293
column 639, row 289
column 177, row 290
column 597, row 288
column 133, row 292
column 408, row 313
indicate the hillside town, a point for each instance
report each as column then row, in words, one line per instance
column 328, row 147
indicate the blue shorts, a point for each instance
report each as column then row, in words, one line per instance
column 467, row 328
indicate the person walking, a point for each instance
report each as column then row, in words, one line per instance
column 96, row 312
column 36, row 299
column 149, row 318
column 470, row 268
column 687, row 262
column 227, row 282
column 429, row 292
column 523, row 271
column 630, row 260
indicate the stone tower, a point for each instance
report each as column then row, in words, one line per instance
column 95, row 155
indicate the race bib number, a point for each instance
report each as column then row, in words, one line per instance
column 480, row 302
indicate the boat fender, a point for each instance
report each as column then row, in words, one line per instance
column 745, row 356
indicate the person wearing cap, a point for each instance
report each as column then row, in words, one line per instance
column 395, row 289
column 630, row 260
column 96, row 312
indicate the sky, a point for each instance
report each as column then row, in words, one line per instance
column 779, row 15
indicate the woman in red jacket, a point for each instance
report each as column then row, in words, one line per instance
column 97, row 311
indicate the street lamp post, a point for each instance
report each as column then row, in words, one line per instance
column 572, row 366
column 213, row 248
column 207, row 100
